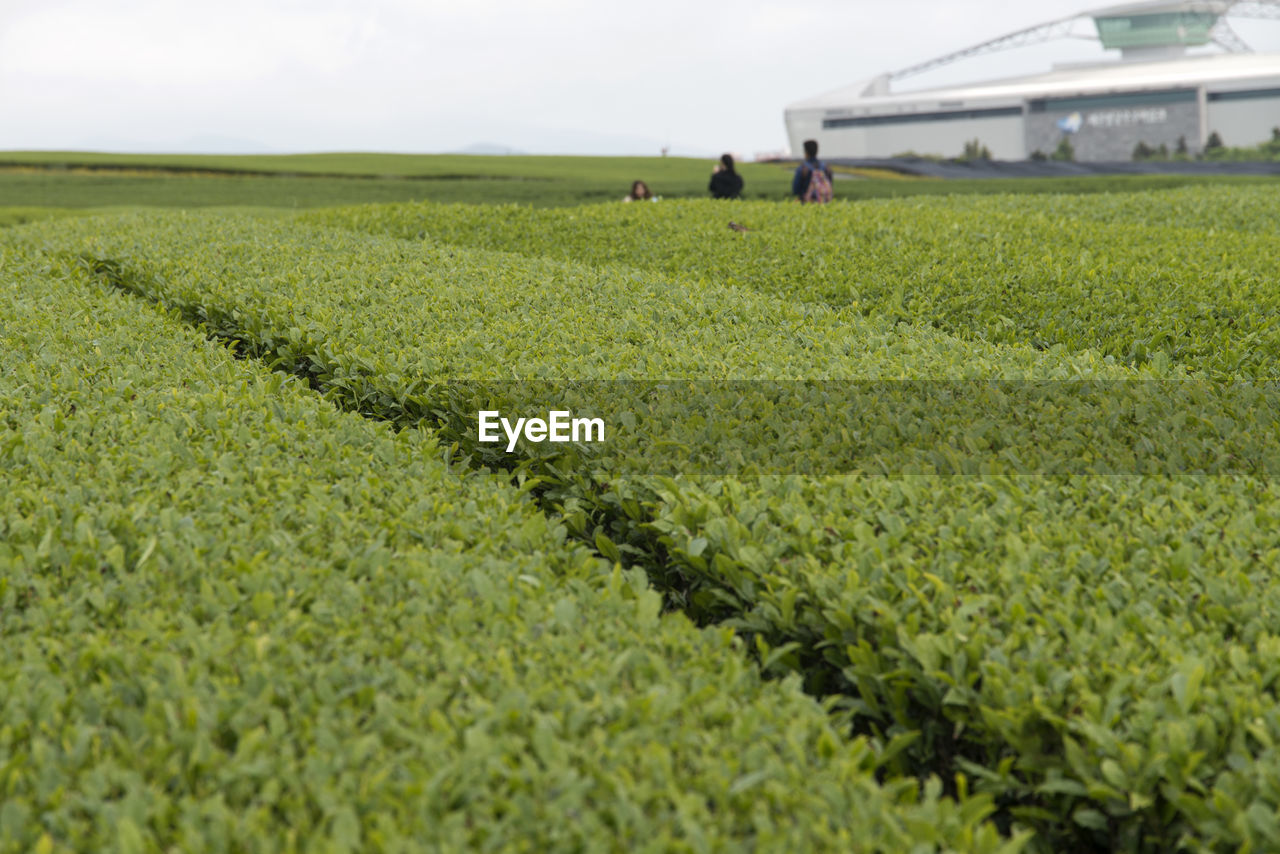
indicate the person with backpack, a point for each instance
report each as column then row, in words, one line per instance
column 725, row 182
column 812, row 181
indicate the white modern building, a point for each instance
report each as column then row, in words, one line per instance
column 1154, row 94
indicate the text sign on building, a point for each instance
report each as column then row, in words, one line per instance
column 1125, row 118
column 1110, row 126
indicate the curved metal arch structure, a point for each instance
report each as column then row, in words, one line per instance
column 1220, row 34
column 1061, row 28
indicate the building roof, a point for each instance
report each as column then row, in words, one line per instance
column 1222, row 72
column 1217, row 7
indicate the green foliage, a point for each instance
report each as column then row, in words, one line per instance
column 94, row 180
column 1142, row 151
column 1266, row 151
column 20, row 215
column 1033, row 636
column 99, row 180
column 374, row 165
column 1091, row 657
column 1065, row 151
column 975, row 150
column 1117, row 274
column 1079, row 647
column 738, row 407
column 236, row 618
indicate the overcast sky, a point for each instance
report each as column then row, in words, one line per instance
column 541, row 76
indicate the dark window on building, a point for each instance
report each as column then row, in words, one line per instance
column 1245, row 95
column 1107, row 102
column 911, row 118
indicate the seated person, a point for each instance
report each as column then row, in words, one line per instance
column 725, row 182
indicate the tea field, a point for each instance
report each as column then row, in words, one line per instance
column 75, row 180
column 940, row 523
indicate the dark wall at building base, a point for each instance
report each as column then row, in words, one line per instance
column 1053, row 169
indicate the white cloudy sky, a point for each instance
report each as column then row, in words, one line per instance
column 571, row 76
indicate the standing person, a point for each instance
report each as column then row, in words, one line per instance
column 725, row 182
column 640, row 192
column 812, row 181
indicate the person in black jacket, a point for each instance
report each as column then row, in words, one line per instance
column 725, row 182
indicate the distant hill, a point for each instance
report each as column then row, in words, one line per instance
column 489, row 148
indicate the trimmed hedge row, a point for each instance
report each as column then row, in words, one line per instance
column 1045, row 271
column 464, row 314
column 1094, row 652
column 1208, row 208
column 689, row 379
column 391, row 328
column 235, row 618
